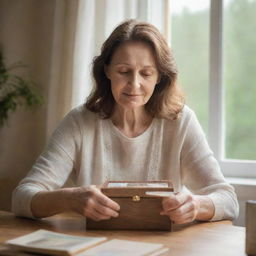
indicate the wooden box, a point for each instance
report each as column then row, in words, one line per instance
column 140, row 206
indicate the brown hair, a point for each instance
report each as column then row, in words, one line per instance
column 166, row 101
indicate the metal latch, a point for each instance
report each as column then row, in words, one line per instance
column 136, row 198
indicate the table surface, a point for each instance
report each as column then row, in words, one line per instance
column 202, row 238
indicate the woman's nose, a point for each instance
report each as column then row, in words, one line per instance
column 135, row 80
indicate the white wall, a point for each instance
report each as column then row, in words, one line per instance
column 25, row 35
column 246, row 190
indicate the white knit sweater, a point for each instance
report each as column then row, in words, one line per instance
column 92, row 150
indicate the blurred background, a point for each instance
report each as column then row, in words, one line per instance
column 213, row 42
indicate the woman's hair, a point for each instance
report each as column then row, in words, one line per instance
column 166, row 101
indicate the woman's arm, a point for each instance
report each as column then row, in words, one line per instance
column 211, row 197
column 89, row 202
column 39, row 193
column 201, row 174
column 48, row 203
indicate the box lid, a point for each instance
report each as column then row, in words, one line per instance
column 132, row 188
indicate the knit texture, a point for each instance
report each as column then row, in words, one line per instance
column 92, row 150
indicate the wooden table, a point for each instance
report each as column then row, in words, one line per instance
column 215, row 238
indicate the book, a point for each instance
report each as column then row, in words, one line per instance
column 118, row 247
column 53, row 243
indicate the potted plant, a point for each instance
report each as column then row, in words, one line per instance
column 16, row 91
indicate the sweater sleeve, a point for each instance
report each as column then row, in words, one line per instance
column 201, row 172
column 52, row 168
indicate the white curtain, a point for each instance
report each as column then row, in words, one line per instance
column 81, row 26
column 96, row 20
column 59, row 99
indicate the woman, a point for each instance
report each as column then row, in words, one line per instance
column 134, row 126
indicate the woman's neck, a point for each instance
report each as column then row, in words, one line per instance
column 131, row 122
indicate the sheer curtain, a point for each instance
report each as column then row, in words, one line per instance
column 59, row 100
column 81, row 26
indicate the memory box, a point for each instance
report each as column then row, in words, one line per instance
column 140, row 205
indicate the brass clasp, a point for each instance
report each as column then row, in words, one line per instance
column 136, row 198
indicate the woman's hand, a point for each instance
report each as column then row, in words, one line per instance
column 92, row 203
column 184, row 208
column 181, row 208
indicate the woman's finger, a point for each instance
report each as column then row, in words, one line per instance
column 184, row 210
column 185, row 213
column 181, row 210
column 184, row 219
column 107, row 202
column 105, row 211
column 97, row 216
column 175, row 201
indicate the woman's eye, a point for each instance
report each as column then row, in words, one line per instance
column 123, row 72
column 146, row 74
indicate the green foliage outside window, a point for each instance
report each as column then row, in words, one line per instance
column 240, row 78
column 190, row 42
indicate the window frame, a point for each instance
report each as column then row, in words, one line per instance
column 216, row 110
column 216, row 125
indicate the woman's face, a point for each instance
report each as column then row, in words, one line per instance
column 133, row 74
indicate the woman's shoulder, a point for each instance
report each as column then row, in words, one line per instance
column 187, row 114
column 184, row 123
column 186, row 111
column 82, row 114
column 184, row 116
column 77, row 119
column 187, row 122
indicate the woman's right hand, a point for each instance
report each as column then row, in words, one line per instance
column 91, row 202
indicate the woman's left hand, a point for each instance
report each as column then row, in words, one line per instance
column 181, row 207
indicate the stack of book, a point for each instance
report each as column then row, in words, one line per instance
column 53, row 243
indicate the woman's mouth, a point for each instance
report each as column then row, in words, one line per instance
column 131, row 95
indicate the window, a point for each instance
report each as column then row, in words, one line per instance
column 190, row 44
column 214, row 46
column 239, row 78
